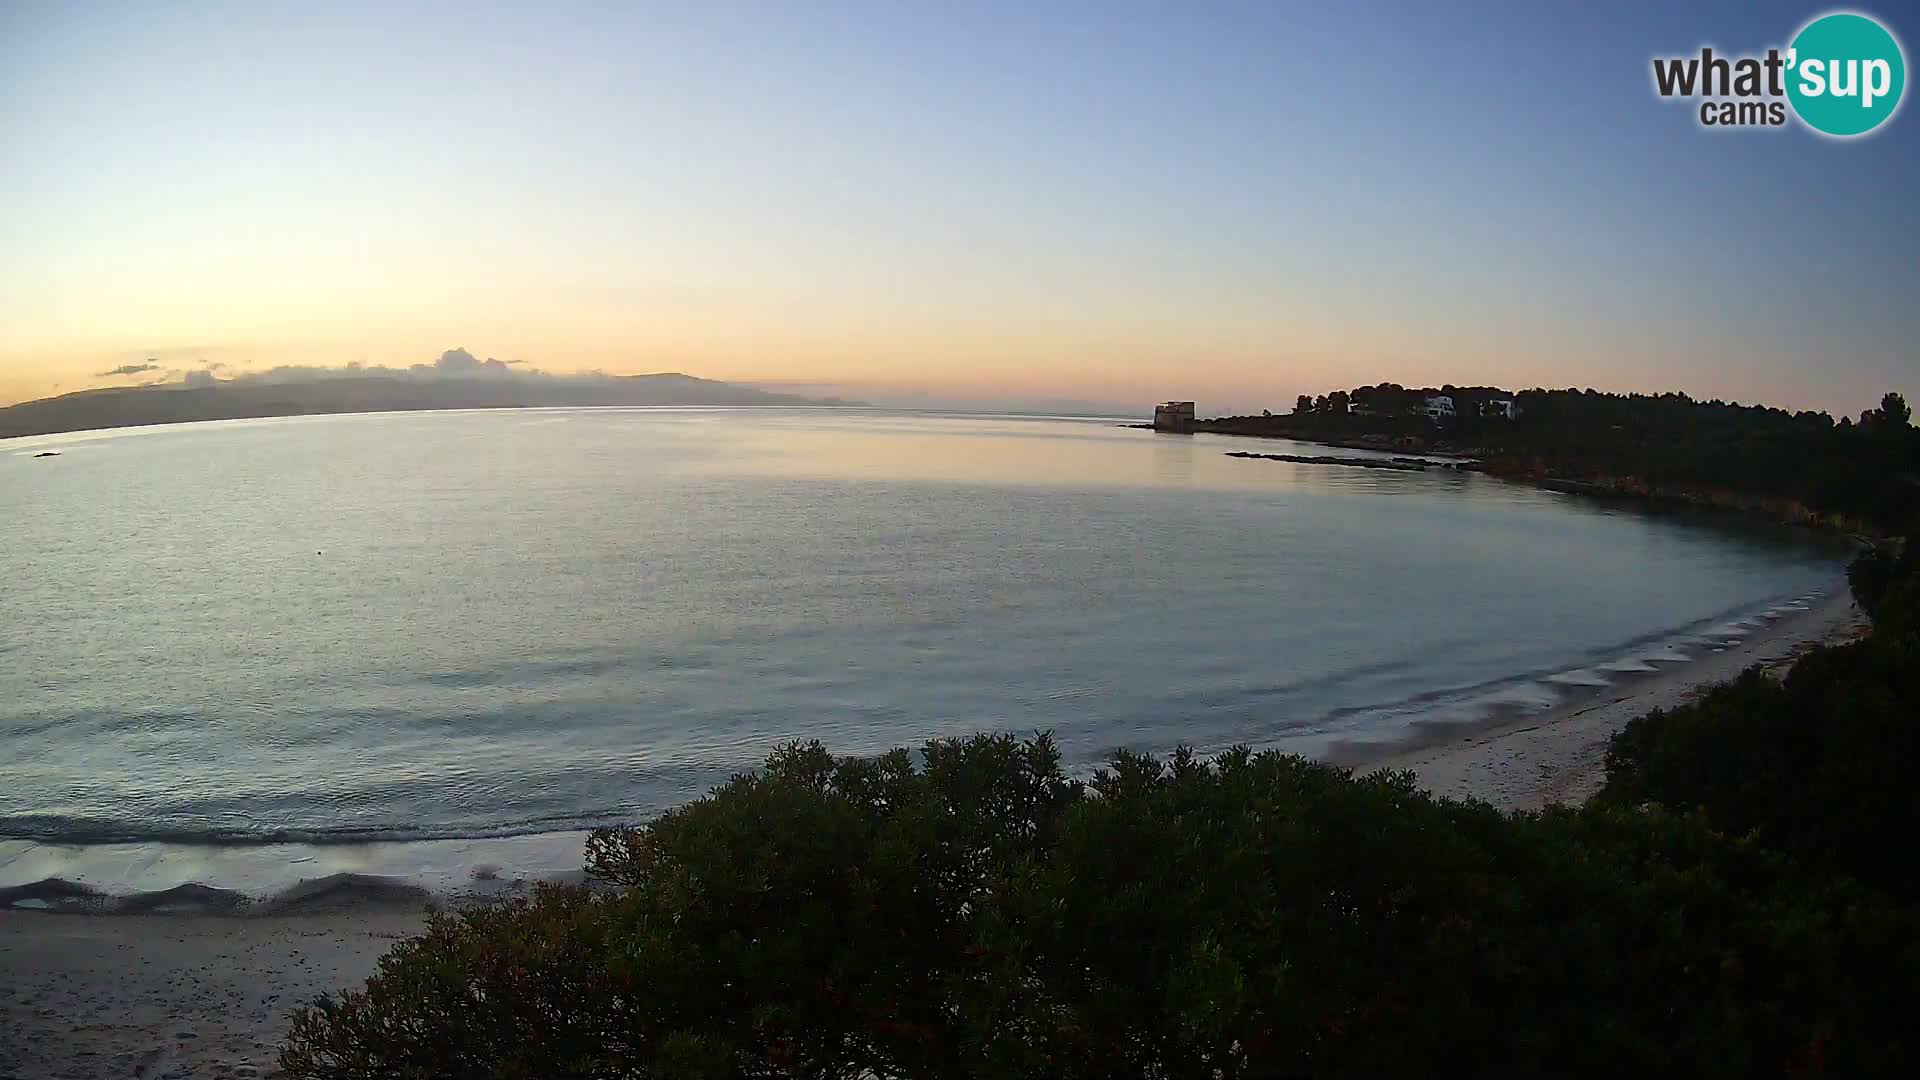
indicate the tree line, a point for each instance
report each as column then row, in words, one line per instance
column 1806, row 464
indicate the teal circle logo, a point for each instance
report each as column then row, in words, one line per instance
column 1845, row 73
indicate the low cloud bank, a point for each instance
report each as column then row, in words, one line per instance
column 452, row 364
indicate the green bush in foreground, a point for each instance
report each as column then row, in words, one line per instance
column 981, row 914
column 1818, row 766
column 978, row 913
column 1886, row 584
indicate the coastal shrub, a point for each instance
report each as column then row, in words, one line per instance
column 460, row 999
column 1886, row 584
column 1265, row 915
column 974, row 911
column 802, row 921
column 1817, row 766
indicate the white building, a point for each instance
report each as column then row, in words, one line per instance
column 1499, row 407
column 1440, row 406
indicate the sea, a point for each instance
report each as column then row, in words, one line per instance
column 255, row 651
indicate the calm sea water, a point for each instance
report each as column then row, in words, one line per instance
column 467, row 624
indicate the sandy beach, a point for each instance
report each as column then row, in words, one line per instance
column 208, row 995
column 178, row 996
column 1560, row 756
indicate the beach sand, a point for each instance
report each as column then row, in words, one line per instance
column 1560, row 756
column 85, row 996
column 208, row 995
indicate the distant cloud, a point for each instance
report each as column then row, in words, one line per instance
column 129, row 369
column 459, row 363
column 187, row 368
column 452, row 364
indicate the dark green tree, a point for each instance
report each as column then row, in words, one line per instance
column 981, row 914
column 1894, row 411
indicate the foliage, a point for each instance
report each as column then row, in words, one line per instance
column 1264, row 915
column 1815, row 766
column 1665, row 444
column 1886, row 584
column 978, row 913
column 1893, row 412
column 799, row 922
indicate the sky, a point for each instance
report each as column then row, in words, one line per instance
column 1018, row 205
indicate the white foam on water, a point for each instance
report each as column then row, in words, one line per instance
column 1529, row 694
column 1580, row 677
column 442, row 867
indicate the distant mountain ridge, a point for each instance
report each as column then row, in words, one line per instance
column 176, row 403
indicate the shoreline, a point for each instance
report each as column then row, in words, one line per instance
column 254, row 880
column 200, row 985
column 1518, row 745
column 1776, row 511
column 1559, row 756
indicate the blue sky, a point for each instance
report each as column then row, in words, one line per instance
column 971, row 202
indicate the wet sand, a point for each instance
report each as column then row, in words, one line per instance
column 146, row 996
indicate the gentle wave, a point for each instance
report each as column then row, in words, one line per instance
column 1367, row 731
column 82, row 831
column 94, row 867
column 1402, row 718
column 332, row 892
